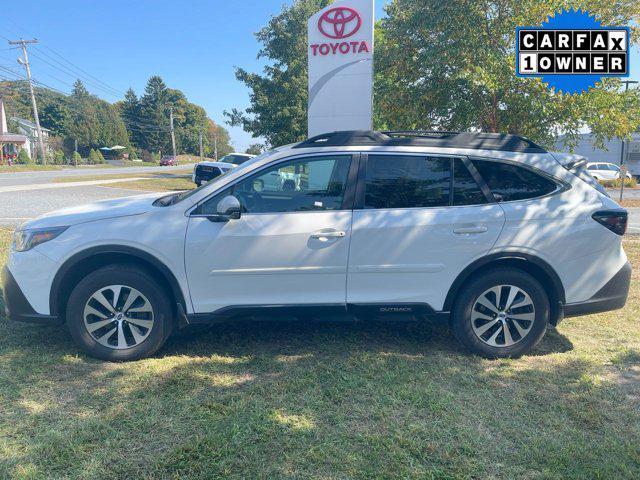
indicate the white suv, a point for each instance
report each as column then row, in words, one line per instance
column 489, row 232
column 206, row 171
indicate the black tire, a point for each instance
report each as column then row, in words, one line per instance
column 198, row 183
column 461, row 321
column 129, row 276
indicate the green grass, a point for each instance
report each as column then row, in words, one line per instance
column 175, row 180
column 331, row 401
column 28, row 168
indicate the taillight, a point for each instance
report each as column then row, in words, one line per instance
column 614, row 220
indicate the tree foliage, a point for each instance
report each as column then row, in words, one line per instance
column 278, row 98
column 442, row 65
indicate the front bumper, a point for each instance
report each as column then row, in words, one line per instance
column 610, row 297
column 17, row 307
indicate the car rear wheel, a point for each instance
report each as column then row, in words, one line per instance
column 119, row 313
column 503, row 313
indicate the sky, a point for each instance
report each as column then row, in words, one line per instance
column 194, row 46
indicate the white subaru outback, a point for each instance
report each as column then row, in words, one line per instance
column 489, row 232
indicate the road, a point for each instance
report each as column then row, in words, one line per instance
column 29, row 178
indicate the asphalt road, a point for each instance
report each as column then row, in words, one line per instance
column 30, row 178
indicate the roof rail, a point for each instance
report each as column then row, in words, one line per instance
column 409, row 138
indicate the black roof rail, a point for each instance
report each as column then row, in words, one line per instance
column 422, row 138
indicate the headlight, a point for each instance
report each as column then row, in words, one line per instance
column 24, row 240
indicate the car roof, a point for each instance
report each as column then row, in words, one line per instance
column 438, row 139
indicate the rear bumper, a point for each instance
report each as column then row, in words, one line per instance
column 17, row 307
column 610, row 297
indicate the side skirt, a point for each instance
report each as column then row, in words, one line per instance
column 349, row 312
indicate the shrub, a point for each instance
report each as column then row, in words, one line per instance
column 95, row 157
column 57, row 158
column 23, row 157
column 76, row 158
column 628, row 182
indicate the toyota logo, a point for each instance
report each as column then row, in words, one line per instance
column 339, row 22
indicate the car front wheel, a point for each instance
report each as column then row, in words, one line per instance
column 502, row 313
column 119, row 313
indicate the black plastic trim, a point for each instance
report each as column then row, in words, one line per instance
column 17, row 307
column 495, row 257
column 471, row 140
column 112, row 249
column 316, row 310
column 612, row 296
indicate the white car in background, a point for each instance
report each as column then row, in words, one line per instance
column 206, row 171
column 604, row 171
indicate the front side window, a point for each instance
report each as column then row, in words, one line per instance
column 511, row 182
column 407, row 181
column 301, row 185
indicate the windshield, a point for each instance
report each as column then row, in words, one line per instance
column 234, row 159
column 178, row 197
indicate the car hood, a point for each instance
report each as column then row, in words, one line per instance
column 117, row 207
column 217, row 164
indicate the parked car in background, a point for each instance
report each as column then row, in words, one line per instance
column 605, row 171
column 168, row 160
column 206, row 171
column 490, row 233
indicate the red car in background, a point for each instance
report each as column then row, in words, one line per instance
column 168, row 160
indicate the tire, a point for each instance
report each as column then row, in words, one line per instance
column 471, row 326
column 198, row 183
column 144, row 323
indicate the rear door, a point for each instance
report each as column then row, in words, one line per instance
column 419, row 220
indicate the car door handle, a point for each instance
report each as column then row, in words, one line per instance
column 324, row 236
column 468, row 230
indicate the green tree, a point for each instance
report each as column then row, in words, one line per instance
column 254, row 149
column 451, row 66
column 154, row 115
column 23, row 157
column 278, row 97
column 95, row 157
column 55, row 116
column 216, row 135
column 131, row 114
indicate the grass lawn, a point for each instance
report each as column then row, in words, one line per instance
column 332, row 401
column 174, row 180
column 28, row 168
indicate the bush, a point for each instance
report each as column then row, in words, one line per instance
column 23, row 157
column 628, row 182
column 76, row 159
column 95, row 157
column 57, row 158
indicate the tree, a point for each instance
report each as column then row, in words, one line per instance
column 23, row 157
column 219, row 135
column 254, row 149
column 153, row 109
column 451, row 66
column 278, row 97
column 55, row 117
column 130, row 111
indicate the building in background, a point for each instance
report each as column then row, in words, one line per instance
column 10, row 143
column 28, row 129
column 611, row 153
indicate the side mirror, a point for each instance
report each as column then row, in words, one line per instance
column 228, row 208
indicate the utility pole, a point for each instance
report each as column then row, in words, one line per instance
column 215, row 145
column 200, row 141
column 25, row 61
column 173, row 135
column 623, row 174
column 75, row 150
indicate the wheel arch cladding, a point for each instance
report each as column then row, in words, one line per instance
column 87, row 261
column 534, row 266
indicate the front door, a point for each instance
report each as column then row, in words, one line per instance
column 422, row 219
column 289, row 247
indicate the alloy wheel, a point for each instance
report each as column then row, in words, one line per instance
column 118, row 317
column 502, row 316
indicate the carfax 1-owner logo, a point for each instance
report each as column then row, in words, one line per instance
column 572, row 51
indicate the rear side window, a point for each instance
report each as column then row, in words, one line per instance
column 407, row 181
column 465, row 189
column 511, row 182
